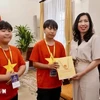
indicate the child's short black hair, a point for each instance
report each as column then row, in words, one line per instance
column 50, row 23
column 5, row 25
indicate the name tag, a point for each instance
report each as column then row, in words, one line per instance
column 15, row 81
column 53, row 73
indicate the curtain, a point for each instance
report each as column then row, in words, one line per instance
column 55, row 9
column 68, row 25
column 41, row 19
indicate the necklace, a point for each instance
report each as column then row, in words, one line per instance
column 6, row 55
column 51, row 55
column 9, row 67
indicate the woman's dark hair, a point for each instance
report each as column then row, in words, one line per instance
column 50, row 23
column 5, row 25
column 76, row 32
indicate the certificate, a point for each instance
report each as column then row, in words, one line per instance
column 66, row 69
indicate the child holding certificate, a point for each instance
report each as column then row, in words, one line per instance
column 48, row 83
column 12, row 64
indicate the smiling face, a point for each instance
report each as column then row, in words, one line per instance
column 5, row 36
column 83, row 24
column 5, row 32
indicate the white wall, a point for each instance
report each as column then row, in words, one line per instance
column 19, row 12
column 80, row 6
column 94, row 10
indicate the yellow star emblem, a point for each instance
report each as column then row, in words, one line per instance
column 51, row 60
column 9, row 67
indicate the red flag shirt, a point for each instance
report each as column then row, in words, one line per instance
column 6, row 90
column 39, row 53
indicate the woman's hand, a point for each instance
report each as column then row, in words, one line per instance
column 77, row 76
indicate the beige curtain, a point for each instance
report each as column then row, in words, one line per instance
column 41, row 19
column 68, row 25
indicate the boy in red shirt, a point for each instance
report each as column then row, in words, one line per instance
column 11, row 62
column 49, row 86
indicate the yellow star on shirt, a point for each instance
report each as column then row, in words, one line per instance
column 9, row 67
column 51, row 60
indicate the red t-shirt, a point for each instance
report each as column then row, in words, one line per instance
column 39, row 53
column 16, row 58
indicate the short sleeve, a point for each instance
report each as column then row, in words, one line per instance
column 73, row 49
column 95, row 47
column 34, row 54
column 20, row 58
column 63, row 53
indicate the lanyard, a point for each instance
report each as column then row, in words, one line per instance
column 5, row 53
column 52, row 55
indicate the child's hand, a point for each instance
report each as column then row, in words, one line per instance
column 8, row 82
column 55, row 65
column 9, row 75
